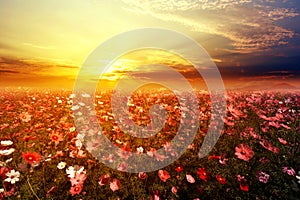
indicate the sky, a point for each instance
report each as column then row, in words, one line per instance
column 253, row 43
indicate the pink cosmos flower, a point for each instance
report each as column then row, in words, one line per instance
column 240, row 178
column 264, row 160
column 153, row 153
column 25, row 117
column 267, row 145
column 285, row 126
column 190, row 179
column 244, row 152
column 122, row 166
column 263, row 177
column 76, row 189
column 78, row 179
column 290, row 171
column 163, row 175
column 223, row 160
column 115, row 185
column 282, row 141
column 174, row 190
column 155, row 195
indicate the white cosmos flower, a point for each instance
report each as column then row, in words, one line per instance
column 140, row 149
column 7, row 152
column 298, row 177
column 76, row 107
column 8, row 160
column 6, row 143
column 71, row 172
column 61, row 165
column 12, row 176
column 81, row 104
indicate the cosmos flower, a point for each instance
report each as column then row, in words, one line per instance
column 7, row 152
column 243, row 185
column 244, row 152
column 76, row 189
column 115, row 185
column 190, row 179
column 221, row 179
column 142, row 175
column 61, row 165
column 155, row 195
column 298, row 177
column 267, row 145
column 6, row 142
column 263, row 177
column 179, row 168
column 104, row 179
column 282, row 141
column 56, row 138
column 31, row 157
column 78, row 179
column 174, row 189
column 12, row 176
column 290, row 171
column 123, row 166
column 203, row 174
column 163, row 175
column 25, row 117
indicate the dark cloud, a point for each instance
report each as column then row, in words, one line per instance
column 8, row 71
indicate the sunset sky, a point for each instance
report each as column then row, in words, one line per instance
column 253, row 43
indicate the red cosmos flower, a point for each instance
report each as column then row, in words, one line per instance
column 142, row 175
column 179, row 168
column 163, row 175
column 3, row 171
column 104, row 179
column 31, row 157
column 214, row 157
column 244, row 152
column 27, row 138
column 221, row 179
column 202, row 173
column 76, row 189
column 244, row 186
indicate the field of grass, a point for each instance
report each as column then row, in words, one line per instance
column 43, row 157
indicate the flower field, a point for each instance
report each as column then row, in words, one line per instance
column 43, row 157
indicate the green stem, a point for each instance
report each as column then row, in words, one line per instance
column 32, row 189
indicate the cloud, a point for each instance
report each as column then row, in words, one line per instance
column 249, row 25
column 39, row 46
column 33, row 67
column 8, row 71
